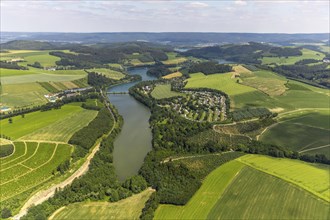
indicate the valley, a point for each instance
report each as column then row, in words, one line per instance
column 164, row 134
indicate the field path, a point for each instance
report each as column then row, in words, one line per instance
column 169, row 159
column 291, row 112
column 43, row 195
column 315, row 148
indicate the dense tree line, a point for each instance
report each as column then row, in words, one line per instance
column 209, row 68
column 98, row 80
column 100, row 55
column 6, row 150
column 247, row 53
column 99, row 183
column 158, row 70
column 12, row 65
column 49, row 106
column 306, row 61
column 85, row 138
column 317, row 74
column 36, row 65
column 285, row 51
column 150, row 207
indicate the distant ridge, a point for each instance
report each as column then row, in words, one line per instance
column 176, row 38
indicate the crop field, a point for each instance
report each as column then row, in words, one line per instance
column 22, row 172
column 129, row 208
column 300, row 95
column 47, row 124
column 45, row 60
column 31, row 70
column 137, row 62
column 112, row 74
column 311, row 177
column 39, row 77
column 23, row 95
column 164, row 91
column 222, row 82
column 172, row 75
column 306, row 54
column 239, row 190
column 302, row 133
column 116, row 65
column 241, row 70
column 173, row 59
column 62, row 129
column 206, row 197
column 266, row 82
column 257, row 195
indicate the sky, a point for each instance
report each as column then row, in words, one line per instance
column 253, row 16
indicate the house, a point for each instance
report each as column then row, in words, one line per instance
column 326, row 61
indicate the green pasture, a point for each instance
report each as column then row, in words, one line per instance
column 112, row 74
column 38, row 77
column 20, row 174
column 45, row 60
column 116, row 65
column 306, row 54
column 23, row 95
column 62, row 129
column 265, row 81
column 222, row 82
column 257, row 195
column 164, row 91
column 129, row 208
column 311, row 177
column 206, row 197
column 32, row 70
column 34, row 121
column 302, row 133
column 173, row 59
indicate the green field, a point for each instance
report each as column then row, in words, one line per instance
column 164, row 91
column 112, row 74
column 40, row 77
column 299, row 95
column 62, row 129
column 256, row 195
column 129, row 208
column 302, row 133
column 265, row 81
column 311, row 177
column 45, row 60
column 173, row 59
column 306, row 54
column 31, row 70
column 206, row 197
column 23, row 95
column 237, row 190
column 222, row 82
column 30, row 166
column 56, row 124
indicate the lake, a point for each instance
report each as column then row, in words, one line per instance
column 134, row 141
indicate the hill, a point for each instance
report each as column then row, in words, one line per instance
column 27, row 45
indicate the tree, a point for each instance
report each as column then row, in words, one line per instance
column 5, row 213
column 10, row 120
column 23, row 115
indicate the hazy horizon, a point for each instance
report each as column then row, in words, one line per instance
column 287, row 17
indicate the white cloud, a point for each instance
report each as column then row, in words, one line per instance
column 198, row 5
column 240, row 2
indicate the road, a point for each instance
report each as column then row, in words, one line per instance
column 43, row 195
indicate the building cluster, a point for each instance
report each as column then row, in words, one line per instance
column 200, row 106
column 53, row 97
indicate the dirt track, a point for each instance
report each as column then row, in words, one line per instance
column 43, row 195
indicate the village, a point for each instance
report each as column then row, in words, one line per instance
column 199, row 106
column 53, row 97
